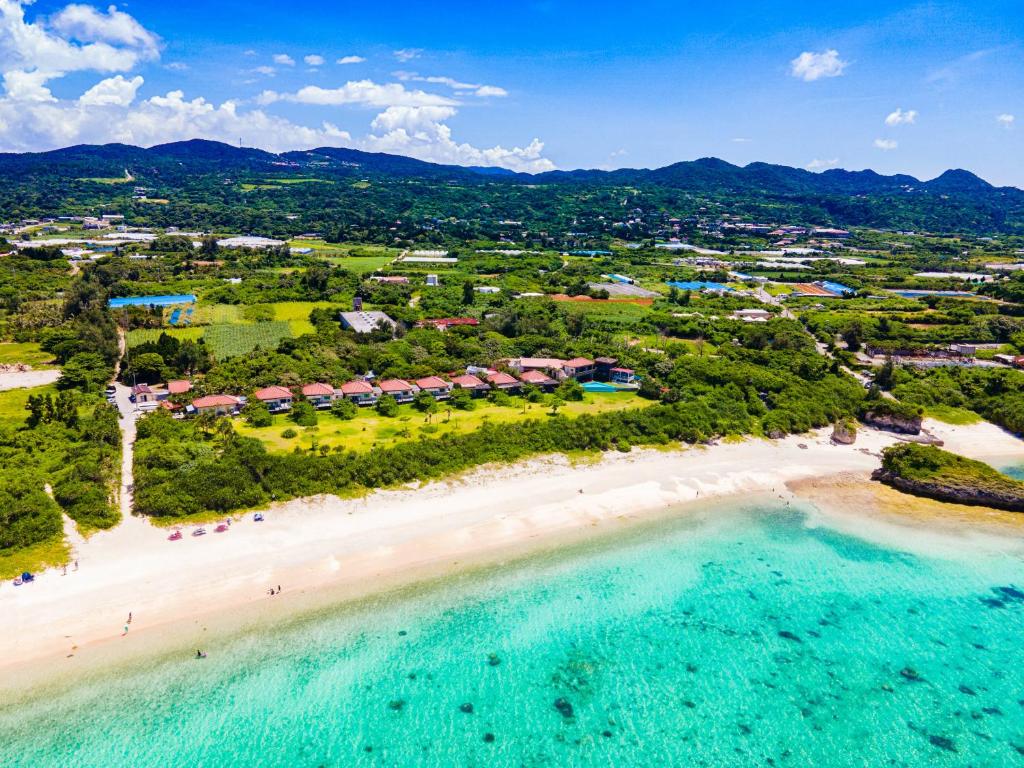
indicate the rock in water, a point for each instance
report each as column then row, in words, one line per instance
column 564, row 707
column 467, row 708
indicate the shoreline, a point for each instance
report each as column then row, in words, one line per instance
column 326, row 550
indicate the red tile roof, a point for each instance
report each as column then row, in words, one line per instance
column 142, row 389
column 273, row 393
column 500, row 379
column 179, row 387
column 432, row 382
column 540, row 362
column 468, row 381
column 313, row 390
column 535, row 377
column 578, row 362
column 356, row 388
column 622, row 370
column 394, row 385
column 213, row 401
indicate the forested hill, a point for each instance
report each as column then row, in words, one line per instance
column 77, row 179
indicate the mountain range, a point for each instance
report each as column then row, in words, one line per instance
column 957, row 199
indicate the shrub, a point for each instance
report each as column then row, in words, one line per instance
column 344, row 409
column 289, row 433
column 387, row 406
column 304, row 414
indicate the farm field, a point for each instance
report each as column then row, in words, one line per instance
column 296, row 314
column 228, row 340
column 27, row 353
column 145, row 335
column 370, row 430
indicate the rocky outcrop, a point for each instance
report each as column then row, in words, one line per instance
column 891, row 422
column 973, row 494
column 844, row 433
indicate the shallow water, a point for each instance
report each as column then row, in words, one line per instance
column 746, row 639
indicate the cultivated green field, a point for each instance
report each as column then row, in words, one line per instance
column 229, row 340
column 145, row 335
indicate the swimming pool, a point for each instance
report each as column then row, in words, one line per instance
column 599, row 386
column 151, row 301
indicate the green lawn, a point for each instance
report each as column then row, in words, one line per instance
column 23, row 352
column 12, row 404
column 370, row 430
column 361, row 265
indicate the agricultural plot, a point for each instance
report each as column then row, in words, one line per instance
column 230, row 340
column 612, row 311
column 146, row 335
column 296, row 314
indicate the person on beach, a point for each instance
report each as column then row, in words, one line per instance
column 125, row 630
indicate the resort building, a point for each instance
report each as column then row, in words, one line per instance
column 549, row 365
column 436, row 386
column 277, row 399
column 579, row 368
column 366, row 321
column 219, row 405
column 623, row 376
column 505, row 382
column 400, row 389
column 320, row 395
column 538, row 379
column 391, row 279
column 468, row 381
column 359, row 392
column 603, row 367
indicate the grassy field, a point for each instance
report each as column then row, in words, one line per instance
column 23, row 352
column 614, row 311
column 229, row 340
column 144, row 335
column 951, row 415
column 296, row 314
column 111, row 180
column 369, row 430
column 212, row 314
column 361, row 265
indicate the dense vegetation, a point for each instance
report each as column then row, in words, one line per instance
column 932, row 472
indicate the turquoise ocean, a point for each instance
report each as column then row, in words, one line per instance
column 746, row 638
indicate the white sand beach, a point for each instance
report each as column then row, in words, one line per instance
column 323, row 544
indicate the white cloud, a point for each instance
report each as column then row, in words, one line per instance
column 114, row 91
column 899, row 117
column 820, row 165
column 407, row 54
column 28, row 86
column 363, row 92
column 88, row 25
column 886, row 145
column 810, row 66
column 474, row 89
column 90, row 119
column 419, row 132
column 740, row 140
column 1005, row 120
column 314, row 60
column 79, row 38
column 351, row 60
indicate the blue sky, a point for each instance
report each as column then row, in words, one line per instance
column 898, row 87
